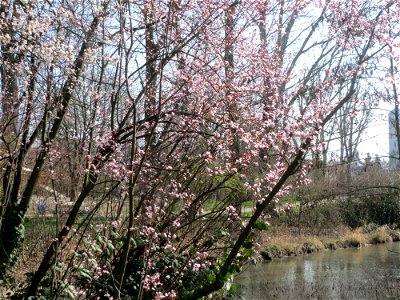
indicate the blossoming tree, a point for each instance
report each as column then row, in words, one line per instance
column 175, row 114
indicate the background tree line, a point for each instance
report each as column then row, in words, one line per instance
column 165, row 118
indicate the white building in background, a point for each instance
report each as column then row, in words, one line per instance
column 394, row 159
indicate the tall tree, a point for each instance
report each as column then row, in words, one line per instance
column 179, row 106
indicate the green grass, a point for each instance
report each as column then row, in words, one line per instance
column 44, row 222
column 48, row 224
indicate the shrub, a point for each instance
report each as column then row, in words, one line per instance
column 355, row 239
column 382, row 208
column 271, row 251
column 395, row 235
column 370, row 227
column 380, row 235
column 313, row 245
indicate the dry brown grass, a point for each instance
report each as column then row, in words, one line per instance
column 381, row 235
column 284, row 242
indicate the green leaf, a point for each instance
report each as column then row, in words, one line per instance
column 260, row 225
column 248, row 252
column 232, row 288
column 85, row 274
column 247, row 245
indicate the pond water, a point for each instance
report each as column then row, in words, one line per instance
column 372, row 272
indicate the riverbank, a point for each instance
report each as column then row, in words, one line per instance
column 354, row 273
column 281, row 242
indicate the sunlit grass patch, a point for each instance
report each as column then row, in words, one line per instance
column 290, row 244
column 380, row 235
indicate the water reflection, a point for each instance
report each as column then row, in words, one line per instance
column 371, row 272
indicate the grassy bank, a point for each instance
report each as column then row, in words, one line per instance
column 39, row 231
column 286, row 243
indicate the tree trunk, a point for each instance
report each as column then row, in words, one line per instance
column 12, row 227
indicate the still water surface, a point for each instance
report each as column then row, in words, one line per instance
column 372, row 272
